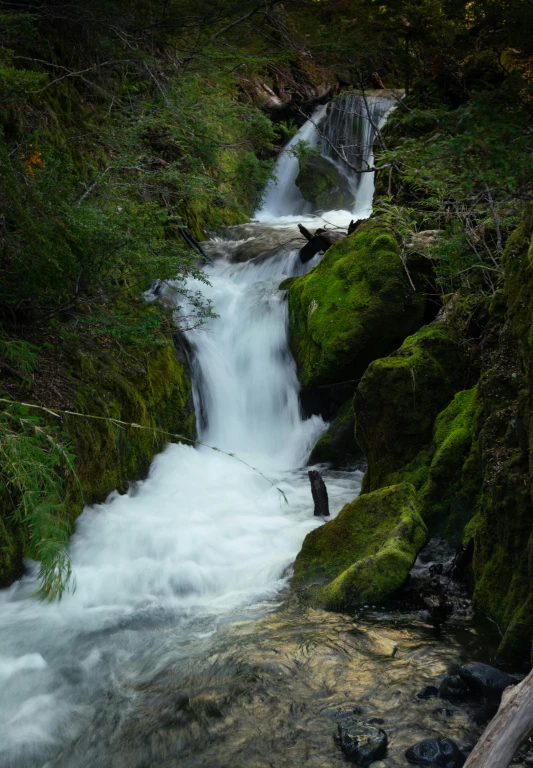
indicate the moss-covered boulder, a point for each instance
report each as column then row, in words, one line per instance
column 322, row 184
column 399, row 397
column 446, row 473
column 353, row 307
column 365, row 554
column 338, row 445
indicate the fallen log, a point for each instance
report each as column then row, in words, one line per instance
column 508, row 729
column 319, row 493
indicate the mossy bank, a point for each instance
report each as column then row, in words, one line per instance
column 148, row 388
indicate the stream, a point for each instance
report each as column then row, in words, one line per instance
column 180, row 645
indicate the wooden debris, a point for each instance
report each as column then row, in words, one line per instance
column 320, row 493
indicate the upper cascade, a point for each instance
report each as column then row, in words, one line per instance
column 346, row 130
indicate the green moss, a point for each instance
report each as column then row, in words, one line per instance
column 355, row 306
column 10, row 554
column 449, row 496
column 338, row 445
column 501, row 530
column 153, row 392
column 322, row 184
column 398, row 399
column 365, row 553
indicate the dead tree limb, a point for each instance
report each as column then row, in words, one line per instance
column 305, row 232
column 193, row 243
column 319, row 492
column 510, row 727
column 320, row 241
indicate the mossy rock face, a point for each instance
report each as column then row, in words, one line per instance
column 11, row 567
column 399, row 397
column 356, row 305
column 338, row 445
column 153, row 392
column 323, row 185
column 501, row 532
column 365, row 554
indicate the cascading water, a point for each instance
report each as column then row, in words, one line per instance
column 172, row 652
column 346, row 128
column 203, row 539
column 351, row 126
column 282, row 196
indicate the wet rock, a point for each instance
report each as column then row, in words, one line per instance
column 442, row 712
column 364, row 555
column 440, row 751
column 337, row 445
column 452, row 687
column 431, row 585
column 322, row 184
column 428, row 692
column 362, row 744
column 486, row 681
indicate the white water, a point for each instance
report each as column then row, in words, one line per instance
column 204, row 540
column 351, row 123
column 282, row 196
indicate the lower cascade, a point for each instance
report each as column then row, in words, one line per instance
column 177, row 646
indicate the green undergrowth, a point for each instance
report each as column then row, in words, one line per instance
column 354, row 306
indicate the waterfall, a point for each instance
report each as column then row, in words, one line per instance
column 210, row 535
column 350, row 123
column 351, row 126
column 203, row 541
column 282, row 196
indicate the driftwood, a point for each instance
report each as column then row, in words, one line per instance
column 319, row 492
column 510, row 727
column 193, row 243
column 320, row 241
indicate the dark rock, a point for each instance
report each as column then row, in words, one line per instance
column 452, row 687
column 441, row 751
column 483, row 680
column 322, row 184
column 361, row 743
column 428, row 692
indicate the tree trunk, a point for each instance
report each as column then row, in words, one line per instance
column 320, row 494
column 505, row 733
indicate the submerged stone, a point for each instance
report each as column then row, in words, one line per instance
column 440, row 751
column 452, row 687
column 365, row 554
column 429, row 692
column 362, row 744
